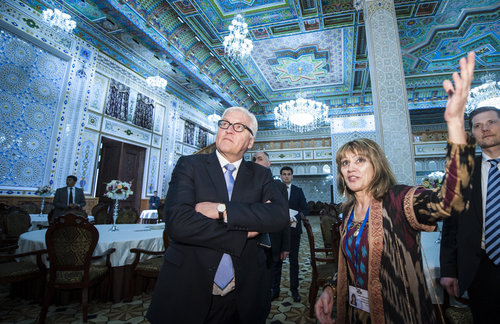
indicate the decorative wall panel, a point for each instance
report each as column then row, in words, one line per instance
column 154, row 163
column 125, row 131
column 32, row 82
column 86, row 167
column 98, row 94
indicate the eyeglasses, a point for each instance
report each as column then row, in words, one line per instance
column 238, row 127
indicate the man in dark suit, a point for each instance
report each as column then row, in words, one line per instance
column 68, row 197
column 470, row 260
column 280, row 241
column 297, row 205
column 214, row 270
column 154, row 201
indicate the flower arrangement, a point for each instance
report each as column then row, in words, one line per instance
column 117, row 189
column 44, row 191
column 433, row 180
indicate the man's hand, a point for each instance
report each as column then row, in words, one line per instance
column 284, row 255
column 252, row 234
column 450, row 284
column 324, row 307
column 208, row 209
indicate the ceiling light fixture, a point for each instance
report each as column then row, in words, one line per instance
column 57, row 18
column 214, row 117
column 300, row 115
column 156, row 81
column 487, row 94
column 236, row 45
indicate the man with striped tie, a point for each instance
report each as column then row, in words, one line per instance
column 214, row 271
column 470, row 245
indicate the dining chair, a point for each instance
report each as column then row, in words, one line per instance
column 322, row 268
column 70, row 242
column 15, row 222
column 14, row 269
column 127, row 215
column 101, row 213
column 161, row 213
column 30, row 207
column 48, row 207
column 149, row 268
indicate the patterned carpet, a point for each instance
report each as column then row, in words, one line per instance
column 283, row 310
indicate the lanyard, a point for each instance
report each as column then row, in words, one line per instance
column 358, row 239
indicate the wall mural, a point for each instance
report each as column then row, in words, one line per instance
column 30, row 88
column 128, row 105
column 117, row 101
column 143, row 114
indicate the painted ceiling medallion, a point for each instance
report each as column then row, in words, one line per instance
column 306, row 67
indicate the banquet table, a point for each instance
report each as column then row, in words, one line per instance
column 149, row 214
column 143, row 236
column 430, row 255
column 40, row 220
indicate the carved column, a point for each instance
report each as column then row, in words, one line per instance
column 390, row 102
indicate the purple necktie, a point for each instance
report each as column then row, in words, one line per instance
column 225, row 272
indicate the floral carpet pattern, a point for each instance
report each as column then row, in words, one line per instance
column 283, row 310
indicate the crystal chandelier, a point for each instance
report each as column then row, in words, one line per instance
column 156, row 81
column 300, row 115
column 487, row 94
column 236, row 44
column 57, row 18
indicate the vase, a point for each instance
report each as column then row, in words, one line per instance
column 43, row 205
column 115, row 216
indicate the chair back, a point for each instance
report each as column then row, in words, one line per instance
column 48, row 207
column 30, row 207
column 322, row 267
column 161, row 213
column 70, row 241
column 16, row 221
column 127, row 215
column 101, row 213
column 326, row 223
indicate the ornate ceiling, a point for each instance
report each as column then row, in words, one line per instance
column 317, row 46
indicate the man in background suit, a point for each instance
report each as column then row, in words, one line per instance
column 68, row 197
column 297, row 205
column 465, row 265
column 280, row 241
column 215, row 207
column 154, row 201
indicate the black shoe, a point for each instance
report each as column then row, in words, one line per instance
column 275, row 294
column 296, row 296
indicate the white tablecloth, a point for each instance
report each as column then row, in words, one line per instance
column 36, row 220
column 149, row 214
column 144, row 236
column 430, row 255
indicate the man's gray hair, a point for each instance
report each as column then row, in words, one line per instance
column 254, row 126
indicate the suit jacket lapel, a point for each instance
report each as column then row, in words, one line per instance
column 477, row 196
column 215, row 173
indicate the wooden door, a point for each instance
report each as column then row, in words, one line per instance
column 124, row 162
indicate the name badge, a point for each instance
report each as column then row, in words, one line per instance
column 359, row 298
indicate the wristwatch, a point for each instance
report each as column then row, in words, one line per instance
column 221, row 208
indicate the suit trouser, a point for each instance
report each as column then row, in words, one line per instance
column 294, row 261
column 276, row 274
column 484, row 292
